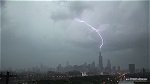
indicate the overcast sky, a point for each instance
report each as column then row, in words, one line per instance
column 34, row 32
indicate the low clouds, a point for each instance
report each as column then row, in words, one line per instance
column 78, row 7
column 47, row 33
column 61, row 15
column 70, row 10
column 2, row 3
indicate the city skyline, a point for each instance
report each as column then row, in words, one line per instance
column 90, row 66
column 35, row 32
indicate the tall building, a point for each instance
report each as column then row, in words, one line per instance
column 114, row 68
column 131, row 68
column 118, row 68
column 59, row 68
column 67, row 63
column 93, row 64
column 100, row 61
column 109, row 65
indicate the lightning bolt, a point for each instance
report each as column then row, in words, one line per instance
column 76, row 19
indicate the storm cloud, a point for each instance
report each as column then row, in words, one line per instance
column 45, row 32
column 70, row 10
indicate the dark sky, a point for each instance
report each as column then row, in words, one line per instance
column 35, row 32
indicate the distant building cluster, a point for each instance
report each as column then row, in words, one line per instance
column 90, row 69
column 66, row 72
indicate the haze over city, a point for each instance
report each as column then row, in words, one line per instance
column 45, row 32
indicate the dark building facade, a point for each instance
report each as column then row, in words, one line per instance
column 131, row 68
column 108, row 66
column 100, row 61
column 118, row 68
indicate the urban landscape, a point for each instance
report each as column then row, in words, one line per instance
column 74, row 42
column 77, row 74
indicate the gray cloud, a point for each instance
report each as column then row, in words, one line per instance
column 30, row 37
column 60, row 15
column 70, row 10
column 78, row 7
column 2, row 3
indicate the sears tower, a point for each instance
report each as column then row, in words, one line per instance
column 100, row 61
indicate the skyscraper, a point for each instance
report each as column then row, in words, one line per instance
column 100, row 61
column 67, row 63
column 118, row 68
column 114, row 68
column 131, row 68
column 93, row 64
column 109, row 66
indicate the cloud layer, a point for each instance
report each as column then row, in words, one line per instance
column 45, row 32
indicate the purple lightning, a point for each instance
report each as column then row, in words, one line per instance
column 91, row 28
